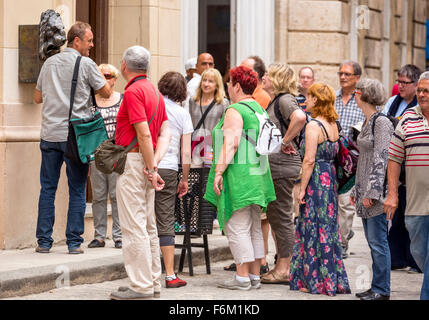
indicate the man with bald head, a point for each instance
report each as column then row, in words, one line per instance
column 205, row 61
column 260, row 95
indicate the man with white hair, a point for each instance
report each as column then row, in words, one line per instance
column 410, row 144
column 141, row 121
column 190, row 68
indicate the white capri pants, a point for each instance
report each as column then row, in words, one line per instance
column 244, row 234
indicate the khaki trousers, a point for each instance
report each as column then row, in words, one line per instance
column 244, row 234
column 140, row 242
column 346, row 211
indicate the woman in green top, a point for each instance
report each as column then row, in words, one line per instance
column 241, row 180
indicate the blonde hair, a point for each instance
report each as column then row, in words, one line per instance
column 110, row 68
column 219, row 92
column 283, row 79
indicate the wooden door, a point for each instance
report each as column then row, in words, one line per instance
column 96, row 13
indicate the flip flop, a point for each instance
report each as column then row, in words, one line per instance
column 231, row 267
column 275, row 278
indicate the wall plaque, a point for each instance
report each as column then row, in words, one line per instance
column 29, row 62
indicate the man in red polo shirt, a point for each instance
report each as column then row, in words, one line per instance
column 142, row 114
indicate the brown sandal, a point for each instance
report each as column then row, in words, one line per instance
column 275, row 278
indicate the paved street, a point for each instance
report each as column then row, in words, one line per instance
column 203, row 287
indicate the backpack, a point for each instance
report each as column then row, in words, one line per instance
column 346, row 159
column 270, row 138
column 394, row 122
column 283, row 125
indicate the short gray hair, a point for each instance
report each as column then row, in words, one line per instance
column 357, row 69
column 137, row 58
column 410, row 71
column 424, row 76
column 372, row 91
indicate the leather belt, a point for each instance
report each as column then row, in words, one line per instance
column 135, row 150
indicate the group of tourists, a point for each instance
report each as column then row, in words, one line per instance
column 205, row 120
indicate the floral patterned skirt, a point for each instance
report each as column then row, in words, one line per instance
column 316, row 260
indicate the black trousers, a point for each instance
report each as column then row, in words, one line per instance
column 399, row 239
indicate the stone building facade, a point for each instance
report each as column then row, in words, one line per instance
column 384, row 35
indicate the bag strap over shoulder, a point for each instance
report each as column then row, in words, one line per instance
column 135, row 140
column 204, row 116
column 322, row 126
column 74, row 84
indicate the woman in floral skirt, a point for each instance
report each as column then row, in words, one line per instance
column 316, row 265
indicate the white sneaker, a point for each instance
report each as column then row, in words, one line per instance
column 234, row 284
column 256, row 284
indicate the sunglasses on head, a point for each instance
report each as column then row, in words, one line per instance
column 109, row 76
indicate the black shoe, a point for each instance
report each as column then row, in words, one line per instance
column 397, row 267
column 364, row 294
column 351, row 234
column 231, row 267
column 264, row 269
column 118, row 244
column 97, row 244
column 375, row 296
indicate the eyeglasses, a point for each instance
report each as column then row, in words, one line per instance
column 423, row 90
column 404, row 82
column 347, row 74
column 109, row 76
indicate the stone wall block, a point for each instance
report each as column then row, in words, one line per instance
column 397, row 7
column 376, row 5
column 396, row 30
column 376, row 25
column 373, row 53
column 419, row 35
column 420, row 10
column 419, row 58
column 313, row 48
column 319, row 15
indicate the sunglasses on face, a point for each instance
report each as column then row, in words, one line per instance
column 109, row 76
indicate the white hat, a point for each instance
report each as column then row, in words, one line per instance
column 191, row 64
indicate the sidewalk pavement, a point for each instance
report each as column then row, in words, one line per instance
column 98, row 272
column 25, row 272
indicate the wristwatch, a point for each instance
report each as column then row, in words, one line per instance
column 154, row 170
column 285, row 144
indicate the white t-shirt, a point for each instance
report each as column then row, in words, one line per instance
column 180, row 124
column 193, row 85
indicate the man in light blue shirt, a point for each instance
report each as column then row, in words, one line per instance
column 408, row 76
column 54, row 90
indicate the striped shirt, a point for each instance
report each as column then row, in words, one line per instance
column 410, row 143
column 349, row 114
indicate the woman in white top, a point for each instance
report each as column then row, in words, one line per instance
column 173, row 87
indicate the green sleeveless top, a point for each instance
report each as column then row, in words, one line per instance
column 247, row 179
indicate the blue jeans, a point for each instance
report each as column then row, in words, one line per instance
column 77, row 173
column 418, row 227
column 376, row 234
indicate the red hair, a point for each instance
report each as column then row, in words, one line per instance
column 247, row 78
